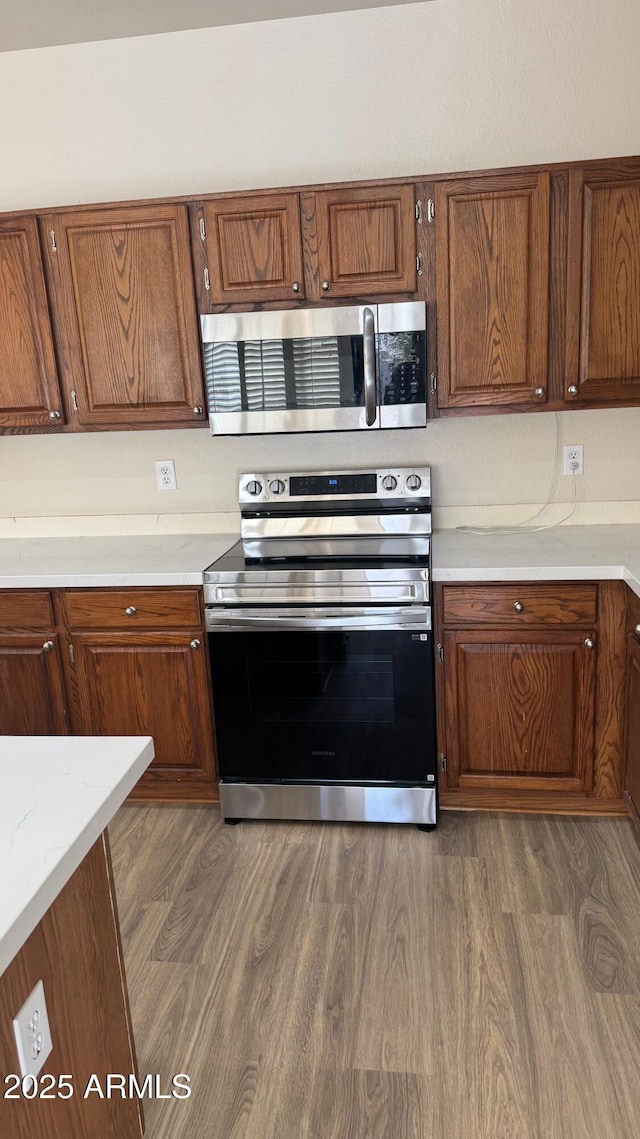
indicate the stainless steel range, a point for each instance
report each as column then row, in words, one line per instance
column 319, row 629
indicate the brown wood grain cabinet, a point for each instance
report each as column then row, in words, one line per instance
column 29, row 391
column 253, row 248
column 140, row 668
column 603, row 288
column 632, row 737
column 366, row 241
column 121, row 290
column 492, row 255
column 32, row 700
column 518, row 688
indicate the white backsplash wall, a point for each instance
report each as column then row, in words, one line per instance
column 446, row 85
column 486, row 469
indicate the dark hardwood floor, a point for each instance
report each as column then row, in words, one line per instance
column 371, row 982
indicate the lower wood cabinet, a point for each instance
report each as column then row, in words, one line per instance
column 632, row 740
column 31, row 685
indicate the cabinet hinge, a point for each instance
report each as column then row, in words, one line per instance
column 443, row 761
column 440, row 649
column 207, row 283
column 419, row 212
column 203, row 232
column 431, row 210
column 52, row 235
column 72, row 655
column 433, row 380
column 419, row 265
column 74, row 400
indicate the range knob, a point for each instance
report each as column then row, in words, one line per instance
column 276, row 486
column 389, row 482
column 414, row 482
column 254, row 487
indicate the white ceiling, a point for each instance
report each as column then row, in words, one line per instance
column 45, row 23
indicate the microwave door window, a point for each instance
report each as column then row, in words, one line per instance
column 222, row 376
column 264, row 374
column 328, row 372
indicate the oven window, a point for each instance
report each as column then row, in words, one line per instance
column 354, row 689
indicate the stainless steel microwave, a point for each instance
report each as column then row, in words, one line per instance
column 358, row 367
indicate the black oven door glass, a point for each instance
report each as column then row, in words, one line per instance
column 324, row 706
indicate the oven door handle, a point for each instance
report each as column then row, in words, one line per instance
column 369, row 365
column 416, row 617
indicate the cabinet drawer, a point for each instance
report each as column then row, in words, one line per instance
column 25, row 609
column 132, row 608
column 519, row 605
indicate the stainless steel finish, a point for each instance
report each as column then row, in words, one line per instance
column 390, row 482
column 276, row 486
column 203, row 232
column 198, row 410
column 207, row 282
column 47, row 646
column 130, row 610
column 295, row 592
column 405, row 316
column 403, row 415
column 363, row 525
column 326, row 285
column 407, row 546
column 195, row 643
column 518, row 607
column 74, row 400
column 296, row 287
column 539, row 392
column 299, row 419
column 340, row 617
column 379, row 803
column 572, row 390
column 52, row 235
column 310, row 577
column 419, row 212
column 400, row 473
column 369, row 364
column 285, row 324
column 254, row 487
column 419, row 267
column 54, row 415
column 431, row 210
column 589, row 643
column 413, row 482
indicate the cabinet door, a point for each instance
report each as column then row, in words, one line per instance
column 32, row 699
column 492, row 257
column 632, row 758
column 254, row 249
column 520, row 710
column 603, row 288
column 125, row 315
column 29, row 392
column 152, row 684
column 366, row 241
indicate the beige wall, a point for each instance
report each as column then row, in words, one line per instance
column 446, row 85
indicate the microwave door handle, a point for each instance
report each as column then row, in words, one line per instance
column 369, row 361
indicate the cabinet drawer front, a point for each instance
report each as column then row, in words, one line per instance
column 25, row 609
column 134, row 608
column 520, row 605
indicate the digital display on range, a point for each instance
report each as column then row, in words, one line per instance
column 332, row 484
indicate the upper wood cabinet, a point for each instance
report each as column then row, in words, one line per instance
column 254, row 249
column 603, row 287
column 366, row 241
column 492, row 255
column 124, row 315
column 29, row 392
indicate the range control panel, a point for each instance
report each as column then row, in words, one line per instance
column 387, row 483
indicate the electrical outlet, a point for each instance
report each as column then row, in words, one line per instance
column 32, row 1033
column 574, row 459
column 166, row 474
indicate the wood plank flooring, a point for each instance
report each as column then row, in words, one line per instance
column 371, row 982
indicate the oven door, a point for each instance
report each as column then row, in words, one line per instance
column 323, row 696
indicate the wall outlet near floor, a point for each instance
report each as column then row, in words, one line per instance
column 32, row 1033
column 574, row 459
column 166, row 474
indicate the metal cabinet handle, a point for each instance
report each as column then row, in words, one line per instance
column 296, row 286
column 637, row 630
column 198, row 410
column 54, row 415
column 572, row 390
column 539, row 392
column 130, row 610
column 518, row 607
column 326, row 285
column 195, row 644
column 589, row 643
column 47, row 646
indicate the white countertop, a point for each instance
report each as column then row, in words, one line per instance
column 56, row 563
column 57, row 795
column 578, row 553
